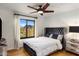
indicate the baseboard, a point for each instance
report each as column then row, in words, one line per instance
column 14, row 49
column 72, row 52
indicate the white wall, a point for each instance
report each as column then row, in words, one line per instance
column 7, row 27
column 40, row 26
column 54, row 21
column 66, row 19
column 71, row 18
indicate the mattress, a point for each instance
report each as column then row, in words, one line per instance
column 43, row 45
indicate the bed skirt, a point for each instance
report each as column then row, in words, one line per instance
column 29, row 50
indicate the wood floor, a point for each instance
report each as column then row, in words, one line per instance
column 22, row 52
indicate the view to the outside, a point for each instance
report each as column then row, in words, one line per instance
column 27, row 28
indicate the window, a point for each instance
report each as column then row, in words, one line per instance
column 27, row 28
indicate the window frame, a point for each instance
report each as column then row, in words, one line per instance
column 26, row 30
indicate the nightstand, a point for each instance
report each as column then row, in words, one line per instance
column 3, row 50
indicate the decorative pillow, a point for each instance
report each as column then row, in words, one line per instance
column 50, row 36
column 60, row 37
column 55, row 36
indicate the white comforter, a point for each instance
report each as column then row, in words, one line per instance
column 43, row 45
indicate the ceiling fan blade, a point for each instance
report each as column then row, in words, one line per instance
column 34, row 12
column 48, row 11
column 45, row 6
column 32, row 7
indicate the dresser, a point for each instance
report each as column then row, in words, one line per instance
column 3, row 50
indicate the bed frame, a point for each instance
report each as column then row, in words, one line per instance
column 29, row 50
column 55, row 30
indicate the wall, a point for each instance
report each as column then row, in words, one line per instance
column 64, row 19
column 54, row 21
column 7, row 26
column 40, row 26
column 71, row 18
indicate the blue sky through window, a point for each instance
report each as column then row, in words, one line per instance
column 31, row 23
column 23, row 22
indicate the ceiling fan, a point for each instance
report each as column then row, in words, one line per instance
column 41, row 9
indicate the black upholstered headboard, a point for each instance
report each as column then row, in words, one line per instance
column 55, row 30
column 74, row 29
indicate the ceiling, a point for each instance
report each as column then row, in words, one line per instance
column 23, row 9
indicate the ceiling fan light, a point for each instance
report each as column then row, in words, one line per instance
column 40, row 12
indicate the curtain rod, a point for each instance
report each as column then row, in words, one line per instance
column 25, row 15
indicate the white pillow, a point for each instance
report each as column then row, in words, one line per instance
column 50, row 36
column 60, row 37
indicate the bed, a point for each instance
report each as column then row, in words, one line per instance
column 42, row 46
